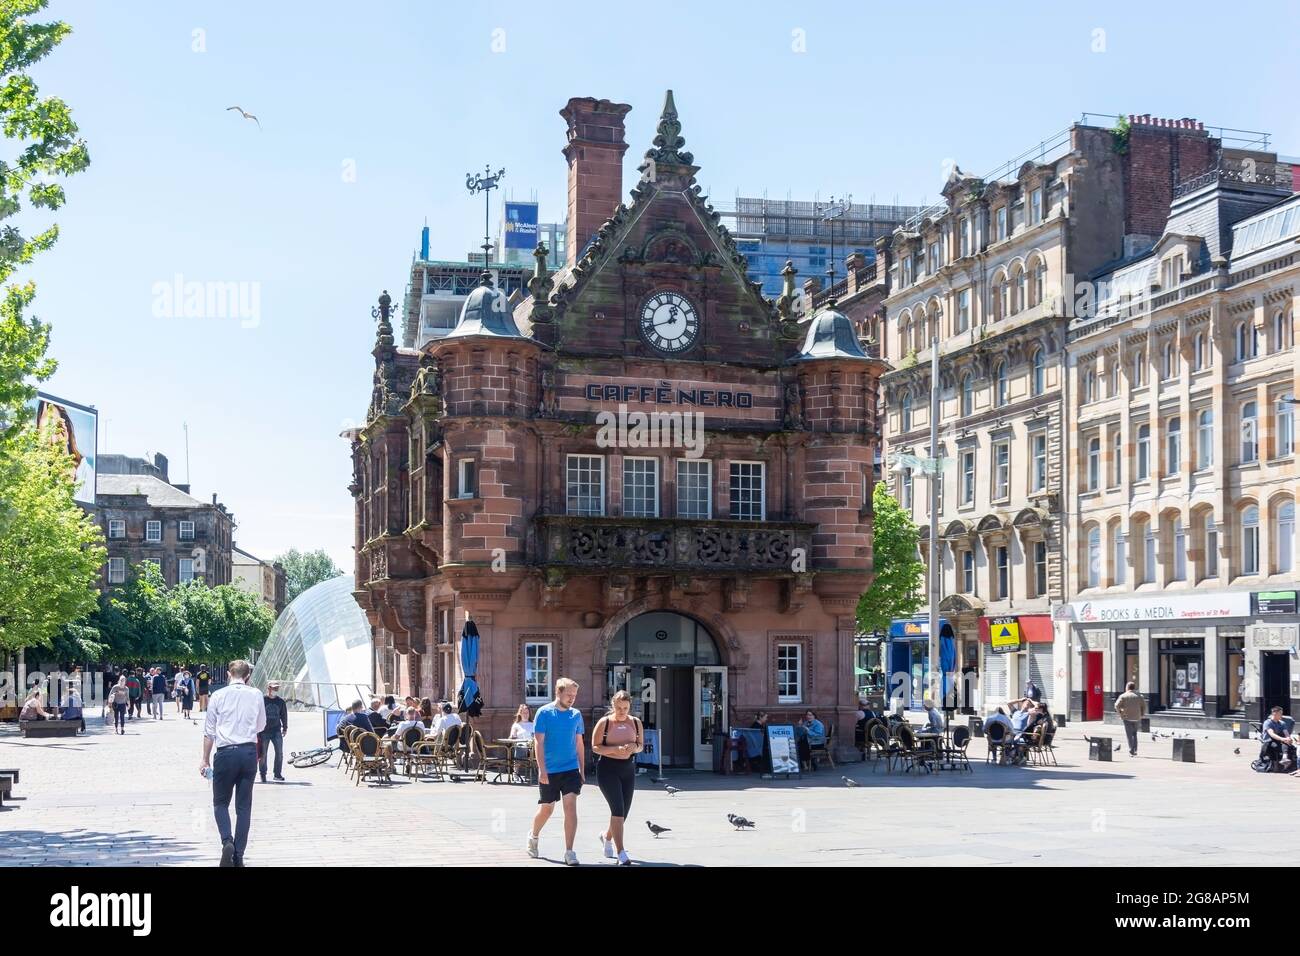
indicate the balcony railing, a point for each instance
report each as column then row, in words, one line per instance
column 672, row 544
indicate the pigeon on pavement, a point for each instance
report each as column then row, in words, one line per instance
column 1236, row 750
column 739, row 822
column 656, row 829
column 1117, row 748
column 671, row 791
column 848, row 782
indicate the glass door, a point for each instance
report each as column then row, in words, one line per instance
column 710, row 712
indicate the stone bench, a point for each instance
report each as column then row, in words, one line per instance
column 7, row 780
column 49, row 728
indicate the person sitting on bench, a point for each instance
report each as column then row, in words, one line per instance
column 1278, row 741
column 72, row 707
column 32, row 709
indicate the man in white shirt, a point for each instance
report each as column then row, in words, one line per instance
column 448, row 720
column 235, row 716
column 412, row 722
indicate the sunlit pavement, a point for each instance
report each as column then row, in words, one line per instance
column 138, row 799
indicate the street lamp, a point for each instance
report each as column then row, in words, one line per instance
column 484, row 183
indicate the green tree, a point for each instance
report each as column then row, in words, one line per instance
column 48, row 147
column 225, row 622
column 51, row 552
column 305, row 569
column 896, row 590
column 144, row 619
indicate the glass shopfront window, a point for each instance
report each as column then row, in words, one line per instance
column 1130, row 652
column 1182, row 670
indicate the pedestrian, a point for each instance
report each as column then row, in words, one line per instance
column 1032, row 692
column 185, row 692
column 277, row 725
column 616, row 740
column 234, row 720
column 561, row 765
column 205, row 681
column 72, row 706
column 135, row 687
column 159, row 692
column 119, row 698
column 1131, row 708
column 146, row 692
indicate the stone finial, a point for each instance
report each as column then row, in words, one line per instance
column 383, row 312
column 668, row 141
column 541, row 283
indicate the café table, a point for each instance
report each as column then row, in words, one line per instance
column 937, row 744
column 511, row 759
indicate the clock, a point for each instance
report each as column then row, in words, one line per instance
column 669, row 322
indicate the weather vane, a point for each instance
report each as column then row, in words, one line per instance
column 484, row 183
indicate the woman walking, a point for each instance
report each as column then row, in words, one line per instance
column 185, row 692
column 616, row 739
column 119, row 698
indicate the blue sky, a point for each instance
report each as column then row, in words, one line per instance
column 870, row 99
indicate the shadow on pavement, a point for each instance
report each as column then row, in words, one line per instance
column 93, row 848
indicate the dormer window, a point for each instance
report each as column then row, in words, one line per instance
column 1036, row 206
column 1171, row 271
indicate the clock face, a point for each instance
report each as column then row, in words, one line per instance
column 669, row 322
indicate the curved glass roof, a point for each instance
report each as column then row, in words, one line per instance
column 320, row 648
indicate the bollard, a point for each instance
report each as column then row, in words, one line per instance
column 976, row 726
column 1184, row 750
column 1100, row 748
column 1144, row 725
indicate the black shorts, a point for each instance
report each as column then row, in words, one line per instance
column 566, row 781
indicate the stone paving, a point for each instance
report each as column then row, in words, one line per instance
column 138, row 799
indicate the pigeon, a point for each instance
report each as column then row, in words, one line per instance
column 245, row 115
column 1117, row 748
column 848, row 782
column 1087, row 738
column 740, row 823
column 656, row 829
column 1153, row 737
column 671, row 791
column 1236, row 750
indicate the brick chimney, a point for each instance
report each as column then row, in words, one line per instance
column 1161, row 154
column 595, row 154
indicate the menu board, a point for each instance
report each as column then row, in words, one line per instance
column 785, row 756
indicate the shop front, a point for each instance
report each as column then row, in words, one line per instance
column 909, row 661
column 1208, row 660
column 1016, row 650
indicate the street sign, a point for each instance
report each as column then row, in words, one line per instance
column 1004, row 635
column 1275, row 602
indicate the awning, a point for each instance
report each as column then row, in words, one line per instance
column 913, row 629
column 1034, row 628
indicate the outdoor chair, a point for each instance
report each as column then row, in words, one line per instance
column 824, row 749
column 345, row 734
column 369, row 758
column 1040, row 745
column 492, row 758
column 423, row 758
column 955, row 754
column 996, row 737
column 909, row 752
column 868, row 741
column 887, row 749
column 1046, row 752
column 411, row 737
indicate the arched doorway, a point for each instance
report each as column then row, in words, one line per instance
column 671, row 665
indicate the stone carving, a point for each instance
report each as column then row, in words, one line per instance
column 692, row 547
column 378, row 564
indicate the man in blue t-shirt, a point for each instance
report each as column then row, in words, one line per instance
column 1277, row 735
column 561, row 764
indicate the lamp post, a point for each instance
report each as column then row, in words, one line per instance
column 932, row 467
column 484, row 183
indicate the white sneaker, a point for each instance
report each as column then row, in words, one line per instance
column 624, row 859
column 570, row 858
column 609, row 846
column 532, row 846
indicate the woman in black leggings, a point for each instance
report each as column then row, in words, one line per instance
column 616, row 740
column 120, row 699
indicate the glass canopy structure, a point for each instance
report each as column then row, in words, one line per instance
column 320, row 649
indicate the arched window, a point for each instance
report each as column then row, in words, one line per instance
column 1284, row 535
column 1038, row 373
column 1250, row 540
column 905, row 490
column 1210, row 541
column 1180, row 551
column 1116, row 459
column 1143, row 452
column 1249, row 433
column 1094, row 463
column 1114, row 379
column 1282, row 330
column 1198, row 352
column 1169, row 366
column 907, row 411
column 999, row 305
column 1148, row 553
column 1205, row 439
column 1000, row 384
column 1138, row 361
column 968, row 394
column 905, row 335
column 1119, row 556
column 1094, row 556
column 1038, row 288
column 1173, row 445
column 1246, row 341
column 1285, row 425
column 1021, row 294
column 1089, row 387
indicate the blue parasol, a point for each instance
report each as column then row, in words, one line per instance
column 947, row 662
column 469, row 700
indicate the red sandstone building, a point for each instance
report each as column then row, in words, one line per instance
column 713, row 575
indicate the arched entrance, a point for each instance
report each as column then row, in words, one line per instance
column 671, row 665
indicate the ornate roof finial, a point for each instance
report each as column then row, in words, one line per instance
column 383, row 312
column 668, row 141
column 541, row 283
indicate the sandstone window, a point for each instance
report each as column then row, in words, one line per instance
column 1089, row 387
column 1284, row 538
column 1000, row 224
column 1173, row 445
column 967, row 394
column 1285, row 415
column 1200, row 353
column 116, row 528
column 1116, row 459
column 1281, row 331
column 1036, row 206
column 1040, row 568
column 906, row 413
column 585, row 485
column 1246, row 340
column 1038, row 478
column 1169, row 363
column 1000, row 384
column 968, row 572
column 1205, row 439
column 1138, row 361
column 1148, row 553
column 537, row 673
column 1249, row 433
column 641, row 487
column 1250, row 540
column 185, row 570
column 1037, row 373
column 1211, row 541
column 965, row 237
column 1180, row 550
column 968, row 477
column 468, row 487
column 747, row 481
column 789, row 673
column 1002, row 562
column 187, row 530
column 1093, row 560
column 1021, row 282
column 963, row 310
column 116, row 570
column 1119, row 557
column 905, row 490
column 1039, row 289
column 1143, row 453
column 694, row 489
column 1001, row 470
column 153, row 531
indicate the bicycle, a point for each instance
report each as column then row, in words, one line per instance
column 312, row 758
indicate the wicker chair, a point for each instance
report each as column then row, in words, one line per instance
column 492, row 758
column 423, row 758
column 410, row 737
column 345, row 735
column 886, row 749
column 996, row 737
column 955, row 754
column 826, row 748
column 1040, row 746
column 369, row 757
column 910, row 753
